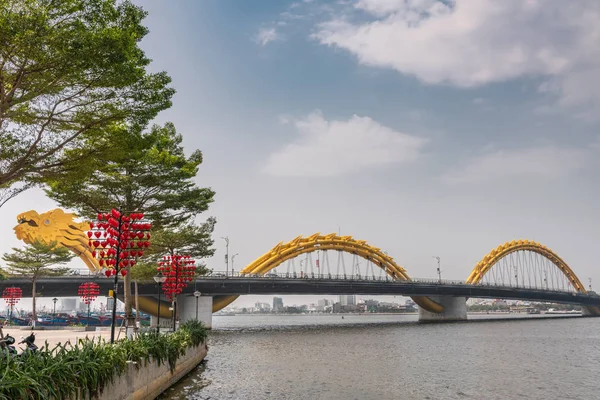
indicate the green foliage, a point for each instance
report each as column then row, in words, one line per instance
column 72, row 76
column 35, row 260
column 70, row 371
column 191, row 239
column 149, row 173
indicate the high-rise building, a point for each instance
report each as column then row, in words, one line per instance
column 277, row 304
column 262, row 306
column 347, row 300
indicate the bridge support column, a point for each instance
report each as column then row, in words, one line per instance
column 188, row 305
column 590, row 311
column 455, row 309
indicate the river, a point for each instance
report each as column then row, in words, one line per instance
column 326, row 357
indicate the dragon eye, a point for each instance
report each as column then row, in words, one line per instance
column 32, row 223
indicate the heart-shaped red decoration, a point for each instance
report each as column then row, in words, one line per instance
column 123, row 272
column 89, row 234
column 107, row 273
column 96, row 243
column 101, row 262
column 98, row 234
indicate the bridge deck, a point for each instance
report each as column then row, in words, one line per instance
column 239, row 285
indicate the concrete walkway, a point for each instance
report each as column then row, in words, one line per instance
column 53, row 337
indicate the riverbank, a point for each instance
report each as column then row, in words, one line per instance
column 141, row 368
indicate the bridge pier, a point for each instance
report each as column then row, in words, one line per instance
column 190, row 307
column 455, row 309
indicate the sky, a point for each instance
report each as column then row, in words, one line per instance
column 426, row 127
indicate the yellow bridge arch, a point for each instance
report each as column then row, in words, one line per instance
column 302, row 245
column 490, row 259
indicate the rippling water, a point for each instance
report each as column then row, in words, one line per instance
column 394, row 357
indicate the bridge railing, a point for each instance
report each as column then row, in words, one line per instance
column 363, row 278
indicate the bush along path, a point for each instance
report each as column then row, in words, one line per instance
column 72, row 371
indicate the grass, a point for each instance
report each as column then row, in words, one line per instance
column 70, row 370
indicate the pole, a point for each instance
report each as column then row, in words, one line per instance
column 232, row 260
column 439, row 271
column 158, row 310
column 88, row 318
column 116, row 286
column 226, row 239
column 196, row 308
column 54, row 312
column 10, row 315
column 175, row 297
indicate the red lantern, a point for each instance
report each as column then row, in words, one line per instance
column 178, row 269
column 88, row 291
column 12, row 295
column 116, row 233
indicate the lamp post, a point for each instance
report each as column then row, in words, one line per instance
column 196, row 295
column 54, row 312
column 158, row 278
column 226, row 239
column 439, row 271
column 232, row 260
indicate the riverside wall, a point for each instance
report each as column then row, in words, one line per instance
column 148, row 381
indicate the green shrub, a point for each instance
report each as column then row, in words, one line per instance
column 68, row 371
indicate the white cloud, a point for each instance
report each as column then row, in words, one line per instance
column 538, row 163
column 331, row 147
column 469, row 43
column 266, row 35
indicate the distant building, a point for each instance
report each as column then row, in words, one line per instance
column 109, row 304
column 262, row 307
column 324, row 303
column 347, row 300
column 277, row 304
column 68, row 304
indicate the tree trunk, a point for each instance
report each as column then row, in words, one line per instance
column 34, row 314
column 127, row 298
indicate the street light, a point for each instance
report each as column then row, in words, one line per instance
column 226, row 239
column 439, row 271
column 160, row 279
column 54, row 317
column 232, row 260
column 196, row 295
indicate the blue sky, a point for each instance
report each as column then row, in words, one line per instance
column 425, row 127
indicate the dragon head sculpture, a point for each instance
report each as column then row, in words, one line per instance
column 56, row 226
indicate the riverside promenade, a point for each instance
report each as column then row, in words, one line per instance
column 54, row 337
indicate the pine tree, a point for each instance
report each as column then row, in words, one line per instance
column 150, row 174
column 35, row 260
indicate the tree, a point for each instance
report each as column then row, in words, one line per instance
column 35, row 260
column 72, row 77
column 150, row 173
column 189, row 239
